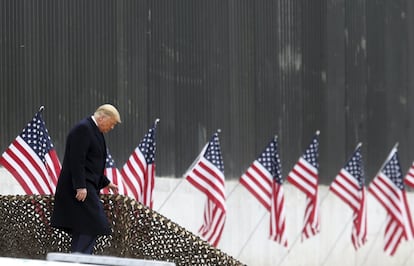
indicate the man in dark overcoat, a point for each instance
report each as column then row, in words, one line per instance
column 77, row 207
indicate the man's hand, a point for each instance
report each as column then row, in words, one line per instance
column 113, row 188
column 81, row 194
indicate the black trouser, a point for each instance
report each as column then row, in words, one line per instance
column 82, row 243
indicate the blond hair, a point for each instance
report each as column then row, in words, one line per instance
column 108, row 110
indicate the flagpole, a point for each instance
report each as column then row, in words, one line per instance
column 156, row 121
column 41, row 108
column 388, row 157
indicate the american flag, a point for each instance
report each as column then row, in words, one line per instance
column 388, row 188
column 304, row 176
column 138, row 172
column 409, row 177
column 264, row 180
column 113, row 174
column 207, row 175
column 32, row 159
column 349, row 185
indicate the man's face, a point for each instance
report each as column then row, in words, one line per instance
column 106, row 124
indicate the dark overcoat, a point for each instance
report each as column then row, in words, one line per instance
column 83, row 167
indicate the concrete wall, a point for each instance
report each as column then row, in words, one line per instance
column 245, row 235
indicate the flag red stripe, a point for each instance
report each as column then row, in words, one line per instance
column 299, row 185
column 306, row 169
column 54, row 167
column 131, row 175
column 277, row 219
column 311, row 225
column 393, row 236
column 262, row 187
column 304, row 178
column 409, row 178
column 257, row 195
column 349, row 193
column 25, row 176
column 17, row 176
column 380, row 188
column 213, row 226
column 212, row 195
column 265, row 181
column 25, row 158
column 32, row 167
column 391, row 195
column 149, row 185
column 408, row 222
column 216, row 177
column 207, row 176
column 205, row 179
column 130, row 186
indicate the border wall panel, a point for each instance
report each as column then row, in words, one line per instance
column 251, row 68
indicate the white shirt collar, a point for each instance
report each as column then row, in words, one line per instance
column 94, row 120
